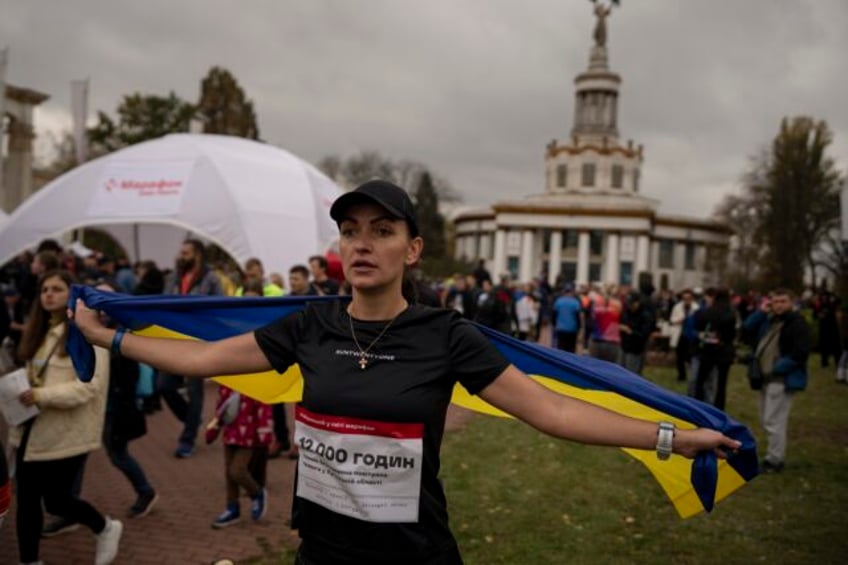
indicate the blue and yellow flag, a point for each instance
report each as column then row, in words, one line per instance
column 692, row 485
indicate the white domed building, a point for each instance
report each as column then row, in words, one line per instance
column 592, row 224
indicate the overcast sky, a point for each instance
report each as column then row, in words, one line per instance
column 473, row 88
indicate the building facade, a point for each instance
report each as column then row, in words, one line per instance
column 592, row 224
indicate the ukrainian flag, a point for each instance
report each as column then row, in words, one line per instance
column 692, row 485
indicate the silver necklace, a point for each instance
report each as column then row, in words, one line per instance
column 363, row 353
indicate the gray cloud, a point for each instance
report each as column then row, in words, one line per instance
column 474, row 88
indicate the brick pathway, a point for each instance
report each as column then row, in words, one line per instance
column 191, row 494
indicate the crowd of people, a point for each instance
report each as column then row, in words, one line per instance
column 707, row 331
column 111, row 411
column 616, row 324
column 621, row 324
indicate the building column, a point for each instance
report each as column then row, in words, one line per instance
column 677, row 277
column 643, row 246
column 470, row 241
column 18, row 172
column 582, row 258
column 457, row 247
column 555, row 256
column 485, row 246
column 611, row 268
column 499, row 258
column 654, row 263
column 526, row 269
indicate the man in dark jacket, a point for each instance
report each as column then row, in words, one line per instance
column 192, row 276
column 778, row 369
column 637, row 325
column 461, row 298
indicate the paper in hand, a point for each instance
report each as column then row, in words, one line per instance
column 12, row 385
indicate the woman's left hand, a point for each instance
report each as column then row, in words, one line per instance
column 689, row 442
column 27, row 397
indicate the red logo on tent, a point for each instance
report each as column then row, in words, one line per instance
column 157, row 187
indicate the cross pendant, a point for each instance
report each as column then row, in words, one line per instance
column 363, row 362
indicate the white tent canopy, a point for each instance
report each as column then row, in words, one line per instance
column 252, row 199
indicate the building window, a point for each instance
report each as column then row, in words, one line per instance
column 625, row 273
column 594, row 272
column 689, row 257
column 617, row 176
column 666, row 254
column 588, row 174
column 546, row 241
column 635, row 180
column 562, row 175
column 512, row 267
column 596, row 243
column 570, row 238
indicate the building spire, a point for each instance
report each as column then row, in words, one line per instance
column 596, row 92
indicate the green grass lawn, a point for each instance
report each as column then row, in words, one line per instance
column 519, row 497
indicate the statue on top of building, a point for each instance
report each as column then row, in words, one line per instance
column 602, row 12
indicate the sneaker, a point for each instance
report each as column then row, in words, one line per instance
column 107, row 542
column 184, row 451
column 143, row 504
column 228, row 517
column 259, row 505
column 59, row 526
column 768, row 467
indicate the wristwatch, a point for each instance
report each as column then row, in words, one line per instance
column 665, row 440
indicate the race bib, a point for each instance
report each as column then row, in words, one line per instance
column 364, row 469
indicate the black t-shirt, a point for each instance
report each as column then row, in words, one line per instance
column 409, row 378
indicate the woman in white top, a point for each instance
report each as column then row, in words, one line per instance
column 52, row 447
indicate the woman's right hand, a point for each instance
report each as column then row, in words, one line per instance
column 89, row 323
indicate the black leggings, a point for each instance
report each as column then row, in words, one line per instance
column 50, row 481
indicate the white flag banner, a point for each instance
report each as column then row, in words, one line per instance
column 135, row 189
column 79, row 112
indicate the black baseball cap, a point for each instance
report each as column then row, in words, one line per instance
column 388, row 195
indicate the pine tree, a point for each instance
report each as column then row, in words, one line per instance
column 798, row 200
column 223, row 106
column 430, row 220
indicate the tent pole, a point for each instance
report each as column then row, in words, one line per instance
column 136, row 249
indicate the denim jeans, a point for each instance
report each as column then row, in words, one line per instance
column 120, row 457
column 633, row 362
column 190, row 411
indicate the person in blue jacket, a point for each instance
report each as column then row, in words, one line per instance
column 778, row 368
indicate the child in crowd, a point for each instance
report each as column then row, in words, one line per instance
column 247, row 433
column 246, row 427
